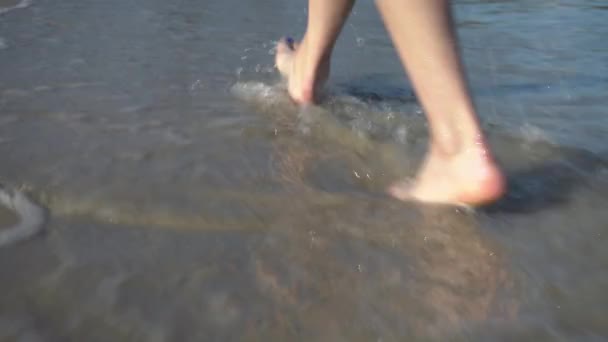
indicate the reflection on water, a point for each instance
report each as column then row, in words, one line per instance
column 190, row 200
column 310, row 272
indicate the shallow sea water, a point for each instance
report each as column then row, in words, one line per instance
column 187, row 199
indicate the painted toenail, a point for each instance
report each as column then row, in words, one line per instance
column 290, row 41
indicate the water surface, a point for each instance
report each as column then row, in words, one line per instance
column 189, row 200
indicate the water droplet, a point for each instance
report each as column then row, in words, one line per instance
column 400, row 134
column 195, row 85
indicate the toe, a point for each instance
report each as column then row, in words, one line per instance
column 286, row 45
column 284, row 55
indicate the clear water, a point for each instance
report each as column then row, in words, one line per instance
column 188, row 199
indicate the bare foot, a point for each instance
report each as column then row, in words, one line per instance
column 468, row 178
column 305, row 73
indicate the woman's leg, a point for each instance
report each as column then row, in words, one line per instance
column 459, row 167
column 306, row 66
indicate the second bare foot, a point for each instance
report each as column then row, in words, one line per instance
column 304, row 73
column 468, row 178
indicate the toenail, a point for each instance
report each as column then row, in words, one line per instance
column 290, row 41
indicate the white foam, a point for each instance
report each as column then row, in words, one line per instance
column 258, row 92
column 31, row 217
column 21, row 4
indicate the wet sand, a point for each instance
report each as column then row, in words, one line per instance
column 7, row 218
column 189, row 200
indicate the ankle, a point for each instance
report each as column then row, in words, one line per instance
column 315, row 58
column 451, row 143
column 310, row 71
column 472, row 153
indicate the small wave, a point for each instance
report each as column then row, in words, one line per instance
column 259, row 92
column 31, row 217
column 20, row 4
column 383, row 120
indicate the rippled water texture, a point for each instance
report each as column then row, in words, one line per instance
column 176, row 194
